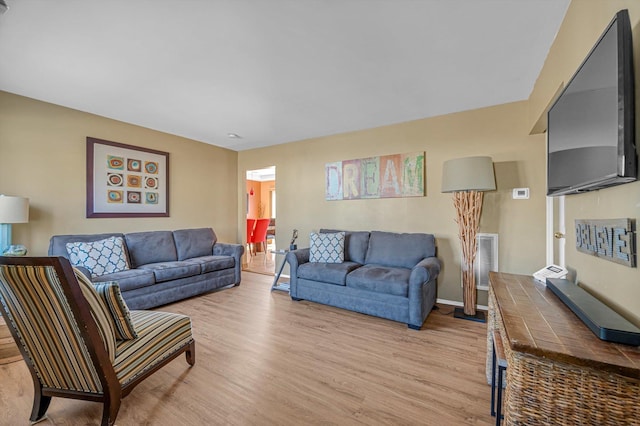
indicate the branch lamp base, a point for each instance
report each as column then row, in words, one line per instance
column 478, row 317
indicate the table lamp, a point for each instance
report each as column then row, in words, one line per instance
column 12, row 210
column 467, row 178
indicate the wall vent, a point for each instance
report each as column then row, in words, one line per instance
column 486, row 259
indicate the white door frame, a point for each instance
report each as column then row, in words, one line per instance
column 551, row 233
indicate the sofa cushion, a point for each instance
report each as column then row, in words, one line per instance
column 150, row 247
column 130, row 279
column 212, row 263
column 327, row 248
column 333, row 273
column 194, row 242
column 166, row 271
column 120, row 316
column 99, row 257
column 355, row 244
column 380, row 279
column 399, row 250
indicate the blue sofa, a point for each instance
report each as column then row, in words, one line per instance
column 165, row 266
column 385, row 274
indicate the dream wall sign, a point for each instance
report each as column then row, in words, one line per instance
column 613, row 239
column 387, row 176
column 126, row 181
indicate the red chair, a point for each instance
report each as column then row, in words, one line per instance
column 251, row 224
column 260, row 235
column 271, row 230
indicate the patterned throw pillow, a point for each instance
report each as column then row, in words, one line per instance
column 327, row 248
column 99, row 257
column 99, row 312
column 121, row 318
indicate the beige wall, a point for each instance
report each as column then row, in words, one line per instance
column 42, row 156
column 617, row 285
column 500, row 132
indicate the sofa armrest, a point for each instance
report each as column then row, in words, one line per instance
column 426, row 270
column 226, row 249
column 295, row 259
column 422, row 290
column 233, row 250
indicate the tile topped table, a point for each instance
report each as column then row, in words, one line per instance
column 558, row 371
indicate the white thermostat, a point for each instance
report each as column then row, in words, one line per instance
column 520, row 193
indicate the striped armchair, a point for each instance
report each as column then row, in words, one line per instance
column 68, row 343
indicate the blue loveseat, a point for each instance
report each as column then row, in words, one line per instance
column 165, row 266
column 385, row 274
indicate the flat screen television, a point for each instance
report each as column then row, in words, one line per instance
column 591, row 126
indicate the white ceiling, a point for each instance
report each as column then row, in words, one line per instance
column 274, row 71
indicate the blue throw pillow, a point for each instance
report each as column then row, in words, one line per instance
column 327, row 248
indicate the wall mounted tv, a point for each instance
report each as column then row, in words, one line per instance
column 591, row 126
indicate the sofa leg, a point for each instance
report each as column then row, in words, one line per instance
column 295, row 299
column 414, row 327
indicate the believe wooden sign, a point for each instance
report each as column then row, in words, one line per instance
column 610, row 239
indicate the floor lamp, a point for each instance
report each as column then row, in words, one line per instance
column 467, row 178
column 12, row 210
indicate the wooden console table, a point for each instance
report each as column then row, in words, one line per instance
column 558, row 371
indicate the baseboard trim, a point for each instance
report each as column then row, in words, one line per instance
column 455, row 303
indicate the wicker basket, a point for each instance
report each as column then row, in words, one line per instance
column 543, row 392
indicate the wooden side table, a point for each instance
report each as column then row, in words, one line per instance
column 9, row 352
column 558, row 371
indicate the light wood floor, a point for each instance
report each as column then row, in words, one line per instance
column 262, row 359
column 260, row 265
column 263, row 262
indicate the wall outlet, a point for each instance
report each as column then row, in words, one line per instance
column 520, row 193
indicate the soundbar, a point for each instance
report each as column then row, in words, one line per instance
column 603, row 321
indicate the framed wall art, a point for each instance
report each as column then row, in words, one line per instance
column 126, row 180
column 387, row 176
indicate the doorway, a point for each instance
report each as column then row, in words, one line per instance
column 260, row 214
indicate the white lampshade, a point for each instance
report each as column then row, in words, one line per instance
column 468, row 174
column 14, row 209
